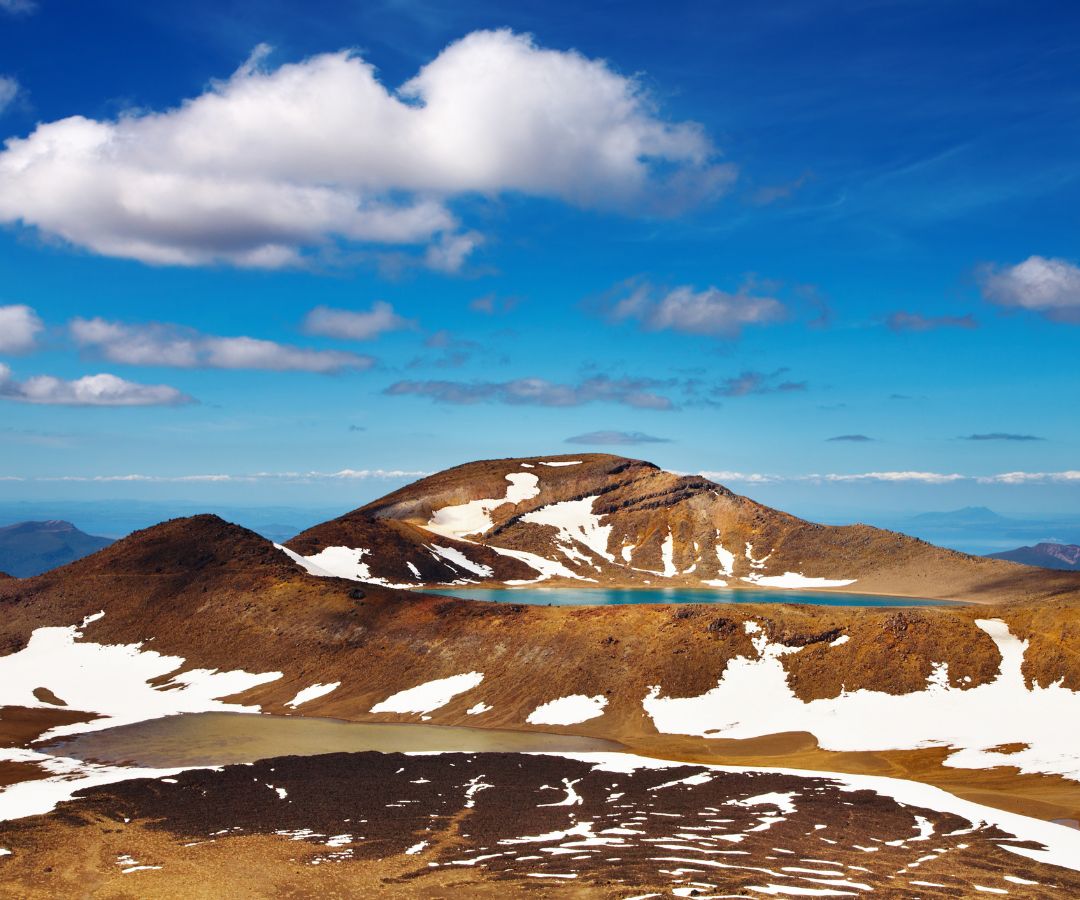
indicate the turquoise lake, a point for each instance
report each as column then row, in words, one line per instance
column 537, row 596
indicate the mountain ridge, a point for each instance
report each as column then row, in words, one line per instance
column 609, row 521
column 1045, row 554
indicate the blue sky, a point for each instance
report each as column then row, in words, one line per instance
column 827, row 250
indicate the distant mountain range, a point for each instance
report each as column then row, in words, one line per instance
column 1046, row 555
column 30, row 548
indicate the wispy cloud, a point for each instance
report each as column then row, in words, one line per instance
column 9, row 90
column 492, row 304
column 923, row 477
column 354, row 324
column 743, row 477
column 174, row 346
column 773, row 193
column 340, row 475
column 1049, row 287
column 905, row 321
column 1001, row 436
column 1068, row 477
column 850, row 439
column 615, row 438
column 639, row 393
column 710, row 312
column 92, row 390
column 751, row 382
column 19, row 329
column 18, row 7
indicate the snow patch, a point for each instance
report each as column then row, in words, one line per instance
column 752, row 698
column 430, row 695
column 794, row 581
column 570, row 710
column 575, row 521
column 475, row 517
column 112, row 680
column 726, row 559
column 572, row 462
column 457, row 558
column 313, row 693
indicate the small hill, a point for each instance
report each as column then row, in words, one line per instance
column 30, row 548
column 1046, row 555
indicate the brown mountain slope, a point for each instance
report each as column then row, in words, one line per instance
column 223, row 598
column 596, row 519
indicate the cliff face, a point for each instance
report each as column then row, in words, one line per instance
column 603, row 520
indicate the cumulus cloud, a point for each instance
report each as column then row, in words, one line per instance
column 9, row 90
column 905, row 321
column 170, row 345
column 19, row 329
column 1049, row 287
column 271, row 165
column 850, row 438
column 92, row 390
column 710, row 312
column 357, row 326
column 751, row 382
column 639, row 393
column 615, row 438
column 1001, row 436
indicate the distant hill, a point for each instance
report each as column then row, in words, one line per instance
column 1046, row 555
column 30, row 548
column 961, row 518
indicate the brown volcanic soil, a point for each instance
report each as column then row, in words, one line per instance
column 481, row 824
column 643, row 505
column 222, row 597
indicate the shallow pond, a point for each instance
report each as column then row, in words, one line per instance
column 538, row 596
column 218, row 738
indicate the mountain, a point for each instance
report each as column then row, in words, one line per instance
column 1047, row 555
column 961, row 518
column 602, row 520
column 30, row 548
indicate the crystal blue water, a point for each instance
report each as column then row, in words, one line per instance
column 538, row 596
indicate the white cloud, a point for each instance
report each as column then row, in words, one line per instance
column 639, row 393
column 171, row 345
column 744, row 477
column 92, row 390
column 357, row 326
column 344, row 474
column 710, row 312
column 9, row 90
column 19, row 328
column 270, row 165
column 924, row 477
column 1050, row 287
column 1031, row 478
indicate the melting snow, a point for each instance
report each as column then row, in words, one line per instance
column 478, row 709
column 112, row 680
column 430, row 695
column 313, row 693
column 568, row 710
column 793, row 580
column 726, row 559
column 752, row 698
column 475, row 517
column 457, row 558
column 575, row 521
column 573, row 462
